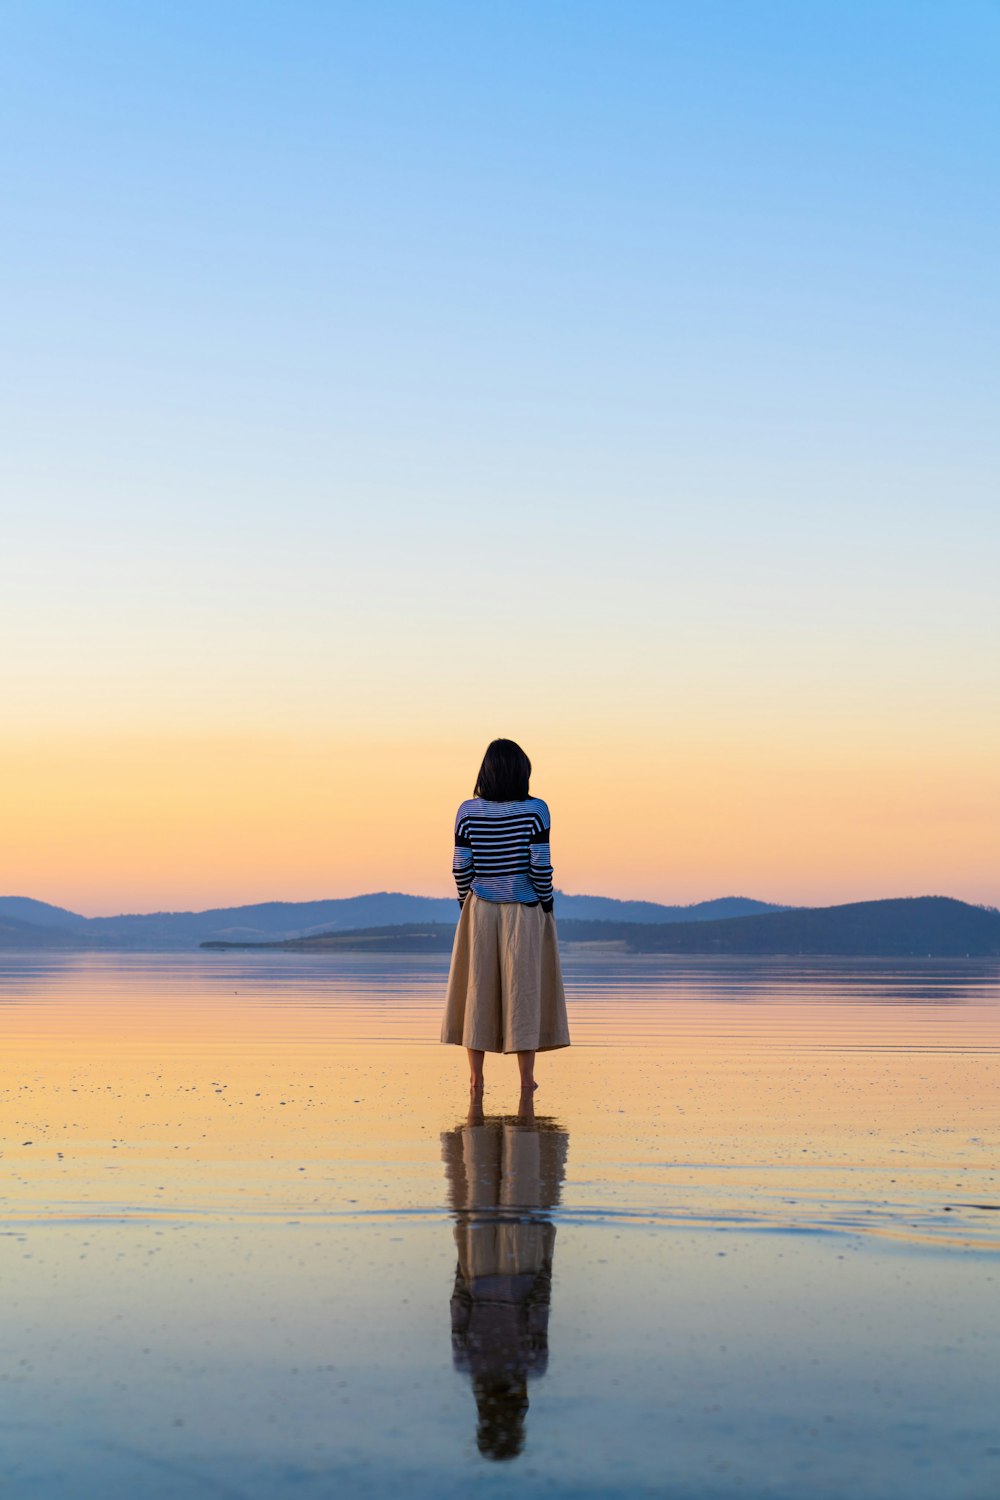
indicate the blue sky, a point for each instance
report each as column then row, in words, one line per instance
column 550, row 248
column 648, row 348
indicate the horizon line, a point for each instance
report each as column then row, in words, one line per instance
column 418, row 896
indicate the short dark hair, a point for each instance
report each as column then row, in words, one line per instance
column 504, row 773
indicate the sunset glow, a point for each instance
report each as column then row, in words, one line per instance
column 392, row 384
column 180, row 822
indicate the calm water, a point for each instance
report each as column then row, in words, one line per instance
column 251, row 1246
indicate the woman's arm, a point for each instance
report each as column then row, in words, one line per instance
column 463, row 864
column 540, row 856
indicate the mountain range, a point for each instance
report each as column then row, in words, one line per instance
column 26, row 923
column 906, row 927
column 386, row 921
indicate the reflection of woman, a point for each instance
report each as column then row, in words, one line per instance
column 503, row 1177
column 505, row 989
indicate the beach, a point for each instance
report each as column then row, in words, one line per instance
column 748, row 1245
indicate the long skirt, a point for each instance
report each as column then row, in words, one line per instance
column 505, row 988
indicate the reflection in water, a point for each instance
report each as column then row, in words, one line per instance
column 504, row 1175
column 218, row 1261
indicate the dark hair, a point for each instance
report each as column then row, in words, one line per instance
column 504, row 773
column 502, row 1401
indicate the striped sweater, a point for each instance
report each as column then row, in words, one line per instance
column 502, row 851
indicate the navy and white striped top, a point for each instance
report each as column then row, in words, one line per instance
column 502, row 851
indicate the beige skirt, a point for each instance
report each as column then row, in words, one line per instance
column 505, row 989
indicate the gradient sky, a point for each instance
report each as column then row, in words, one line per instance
column 380, row 378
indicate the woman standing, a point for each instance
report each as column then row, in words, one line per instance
column 505, row 989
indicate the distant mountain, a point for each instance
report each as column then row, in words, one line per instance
column 267, row 919
column 275, row 920
column 916, row 926
column 255, row 923
column 39, row 913
column 912, row 927
column 20, row 935
column 608, row 909
column 407, row 937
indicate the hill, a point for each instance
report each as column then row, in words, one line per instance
column 909, row 927
column 408, row 937
column 20, row 935
column 270, row 921
column 387, row 921
column 39, row 913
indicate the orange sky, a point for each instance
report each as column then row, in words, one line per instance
column 363, row 413
column 140, row 822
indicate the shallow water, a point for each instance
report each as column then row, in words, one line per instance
column 251, row 1246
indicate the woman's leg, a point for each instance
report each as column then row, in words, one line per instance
column 526, row 1062
column 475, row 1069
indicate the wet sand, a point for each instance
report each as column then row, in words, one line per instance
column 251, row 1245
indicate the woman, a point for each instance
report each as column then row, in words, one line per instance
column 505, row 989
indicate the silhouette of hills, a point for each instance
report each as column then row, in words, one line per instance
column 907, row 927
column 385, row 921
column 270, row 921
column 17, row 934
column 407, row 937
column 39, row 913
column 904, row 927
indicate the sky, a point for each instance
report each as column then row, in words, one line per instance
column 379, row 379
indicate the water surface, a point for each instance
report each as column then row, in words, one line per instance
column 251, row 1243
